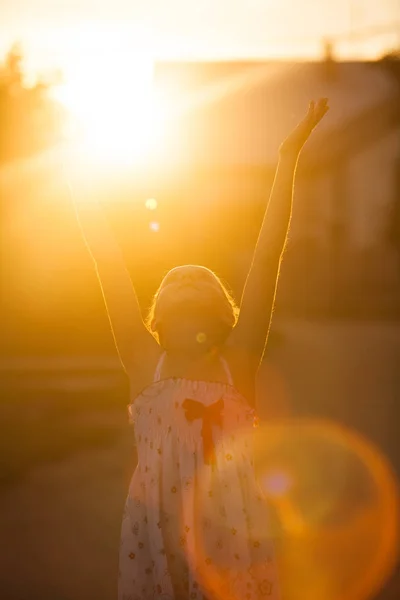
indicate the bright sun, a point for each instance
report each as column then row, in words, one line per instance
column 109, row 94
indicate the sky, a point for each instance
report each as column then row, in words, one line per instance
column 202, row 29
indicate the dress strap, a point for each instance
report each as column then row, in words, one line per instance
column 227, row 370
column 157, row 372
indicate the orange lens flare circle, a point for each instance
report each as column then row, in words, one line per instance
column 335, row 497
column 329, row 511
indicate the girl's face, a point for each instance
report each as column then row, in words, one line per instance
column 188, row 310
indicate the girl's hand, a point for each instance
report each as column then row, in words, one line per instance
column 296, row 140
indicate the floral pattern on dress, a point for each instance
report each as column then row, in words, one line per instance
column 188, row 527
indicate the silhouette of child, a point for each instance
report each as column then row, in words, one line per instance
column 195, row 524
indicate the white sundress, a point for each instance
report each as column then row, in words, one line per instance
column 195, row 523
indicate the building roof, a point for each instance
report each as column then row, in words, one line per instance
column 240, row 112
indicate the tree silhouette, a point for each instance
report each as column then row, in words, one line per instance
column 30, row 121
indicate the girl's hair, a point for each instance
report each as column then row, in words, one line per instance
column 227, row 307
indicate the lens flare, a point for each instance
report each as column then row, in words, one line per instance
column 335, row 500
column 151, row 204
column 323, row 501
column 154, row 226
column 201, row 337
column 277, row 484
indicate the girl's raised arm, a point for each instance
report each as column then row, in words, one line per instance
column 251, row 331
column 135, row 344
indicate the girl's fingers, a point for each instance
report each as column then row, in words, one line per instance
column 317, row 111
column 322, row 106
column 322, row 109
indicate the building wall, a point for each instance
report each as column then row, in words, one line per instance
column 371, row 190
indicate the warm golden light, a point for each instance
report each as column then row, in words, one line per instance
column 116, row 117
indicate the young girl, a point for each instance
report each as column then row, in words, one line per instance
column 194, row 524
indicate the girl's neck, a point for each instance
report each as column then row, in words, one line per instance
column 192, row 365
column 190, row 356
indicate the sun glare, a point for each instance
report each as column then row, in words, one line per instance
column 115, row 117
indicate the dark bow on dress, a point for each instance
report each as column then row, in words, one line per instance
column 211, row 415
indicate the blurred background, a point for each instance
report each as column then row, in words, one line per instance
column 175, row 112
